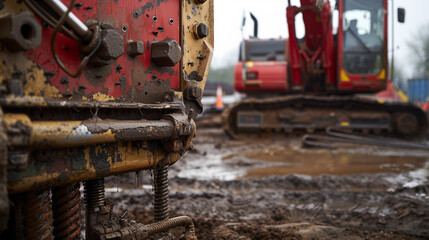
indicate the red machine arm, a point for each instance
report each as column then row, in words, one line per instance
column 312, row 57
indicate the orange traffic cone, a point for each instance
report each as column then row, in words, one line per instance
column 219, row 102
column 426, row 106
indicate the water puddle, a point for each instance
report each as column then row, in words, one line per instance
column 323, row 162
column 209, row 167
column 411, row 168
column 418, row 176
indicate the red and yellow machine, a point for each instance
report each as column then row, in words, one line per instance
column 93, row 89
column 309, row 83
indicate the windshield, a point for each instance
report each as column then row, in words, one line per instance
column 363, row 26
column 265, row 50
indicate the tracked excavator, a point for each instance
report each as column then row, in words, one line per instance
column 312, row 83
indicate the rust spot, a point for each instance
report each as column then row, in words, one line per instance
column 118, row 68
column 99, row 156
column 78, row 5
column 148, row 6
column 123, row 83
column 194, row 76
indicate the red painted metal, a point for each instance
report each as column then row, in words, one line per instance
column 136, row 17
column 294, row 55
column 388, row 94
column 271, row 76
column 318, row 43
column 328, row 46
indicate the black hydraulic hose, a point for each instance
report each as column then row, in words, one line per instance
column 337, row 137
column 376, row 140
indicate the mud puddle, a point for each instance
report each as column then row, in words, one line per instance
column 289, row 160
column 227, row 160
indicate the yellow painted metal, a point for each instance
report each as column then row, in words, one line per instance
column 65, row 166
column 19, row 124
column 344, row 77
column 25, row 100
column 68, row 169
column 382, row 74
column 197, row 52
column 345, row 124
column 403, row 96
column 100, row 97
column 67, row 134
column 60, row 134
column 84, row 156
column 11, row 119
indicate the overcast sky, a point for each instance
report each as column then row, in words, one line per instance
column 271, row 15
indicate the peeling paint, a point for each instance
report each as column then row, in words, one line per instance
column 81, row 130
column 101, row 97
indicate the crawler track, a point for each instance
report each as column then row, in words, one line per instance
column 303, row 113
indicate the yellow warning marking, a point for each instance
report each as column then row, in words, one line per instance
column 382, row 74
column 345, row 124
column 403, row 96
column 344, row 77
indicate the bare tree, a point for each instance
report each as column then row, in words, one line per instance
column 419, row 47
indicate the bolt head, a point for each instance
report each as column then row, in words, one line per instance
column 135, row 48
column 111, row 47
column 20, row 32
column 202, row 30
column 200, row 1
column 166, row 52
column 112, row 44
column 193, row 92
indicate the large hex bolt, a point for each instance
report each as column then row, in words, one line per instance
column 111, row 48
column 166, row 52
column 112, row 44
column 135, row 48
column 193, row 92
column 20, row 32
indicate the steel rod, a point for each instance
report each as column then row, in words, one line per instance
column 60, row 134
column 78, row 27
column 76, row 133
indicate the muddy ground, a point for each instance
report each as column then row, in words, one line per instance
column 280, row 190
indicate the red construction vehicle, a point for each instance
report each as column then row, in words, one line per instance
column 310, row 83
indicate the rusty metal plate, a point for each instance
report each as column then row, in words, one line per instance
column 137, row 21
column 197, row 48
